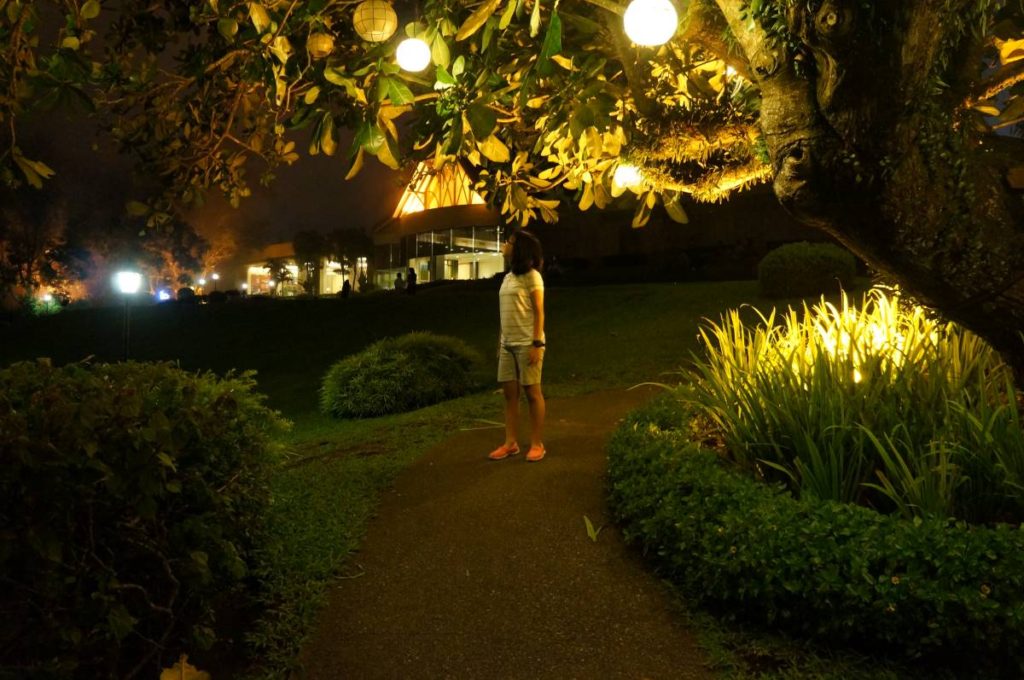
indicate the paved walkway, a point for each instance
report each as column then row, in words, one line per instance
column 481, row 569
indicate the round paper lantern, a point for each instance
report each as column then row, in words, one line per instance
column 413, row 54
column 650, row 22
column 320, row 45
column 375, row 20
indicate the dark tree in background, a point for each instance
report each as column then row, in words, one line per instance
column 310, row 250
column 894, row 126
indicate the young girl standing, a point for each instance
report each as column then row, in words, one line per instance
column 521, row 346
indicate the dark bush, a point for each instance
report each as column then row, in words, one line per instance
column 838, row 572
column 217, row 297
column 186, row 295
column 399, row 374
column 803, row 269
column 131, row 499
column 233, row 295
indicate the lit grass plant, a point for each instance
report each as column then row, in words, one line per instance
column 879, row 404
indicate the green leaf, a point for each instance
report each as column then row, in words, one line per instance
column 494, row 149
column 477, row 19
column 91, row 9
column 535, row 19
column 399, row 92
column 120, row 621
column 459, row 66
column 482, row 120
column 439, row 53
column 227, row 28
column 328, row 144
column 70, row 43
column 312, row 95
column 370, row 137
column 552, row 45
column 454, row 143
column 443, row 78
column 506, row 17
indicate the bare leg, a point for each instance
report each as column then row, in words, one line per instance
column 511, row 390
column 538, row 410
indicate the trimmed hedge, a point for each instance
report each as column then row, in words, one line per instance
column 399, row 374
column 132, row 499
column 829, row 570
column 803, row 269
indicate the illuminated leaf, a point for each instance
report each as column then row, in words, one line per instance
column 281, row 48
column 357, row 164
column 136, row 208
column 227, row 28
column 1011, row 50
column 535, row 19
column 477, row 19
column 506, row 17
column 91, row 9
column 439, row 53
column 311, row 95
column 399, row 92
column 494, row 149
column 70, row 43
column 259, row 16
column 675, row 210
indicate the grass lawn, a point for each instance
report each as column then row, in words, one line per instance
column 326, row 491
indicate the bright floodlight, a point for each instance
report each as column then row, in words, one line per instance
column 272, row 283
column 163, row 295
column 245, row 286
column 128, row 282
column 413, row 54
column 215, row 276
column 650, row 22
column 47, row 297
column 202, row 282
column 627, row 176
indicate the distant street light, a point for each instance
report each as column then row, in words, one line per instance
column 128, row 283
column 216, row 277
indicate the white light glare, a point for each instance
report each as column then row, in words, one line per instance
column 163, row 295
column 627, row 176
column 215, row 277
column 650, row 22
column 413, row 55
column 128, row 282
column 202, row 282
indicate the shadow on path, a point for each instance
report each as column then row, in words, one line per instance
column 481, row 569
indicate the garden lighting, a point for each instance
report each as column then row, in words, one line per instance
column 413, row 55
column 627, row 176
column 128, row 282
column 650, row 22
column 375, row 20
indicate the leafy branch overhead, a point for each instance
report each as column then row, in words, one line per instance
column 544, row 98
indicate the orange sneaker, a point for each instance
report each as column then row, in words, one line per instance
column 535, row 454
column 503, row 452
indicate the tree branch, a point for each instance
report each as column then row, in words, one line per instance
column 1002, row 79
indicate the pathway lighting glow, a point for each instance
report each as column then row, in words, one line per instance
column 245, row 286
column 163, row 295
column 272, row 283
column 650, row 22
column 47, row 297
column 202, row 282
column 128, row 282
column 215, row 276
column 413, row 55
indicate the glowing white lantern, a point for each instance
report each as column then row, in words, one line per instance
column 650, row 22
column 413, row 54
column 375, row 20
column 128, row 282
column 627, row 176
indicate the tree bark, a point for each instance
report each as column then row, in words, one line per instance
column 866, row 146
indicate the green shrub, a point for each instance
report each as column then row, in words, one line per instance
column 802, row 269
column 399, row 374
column 932, row 588
column 879, row 405
column 132, row 497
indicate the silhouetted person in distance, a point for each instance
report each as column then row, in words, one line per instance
column 410, row 286
column 399, row 282
column 346, row 288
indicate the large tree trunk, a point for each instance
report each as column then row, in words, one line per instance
column 865, row 148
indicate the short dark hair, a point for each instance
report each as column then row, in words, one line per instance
column 526, row 252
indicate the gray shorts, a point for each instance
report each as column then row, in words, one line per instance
column 514, row 364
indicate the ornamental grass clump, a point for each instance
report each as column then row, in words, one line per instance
column 399, row 374
column 878, row 404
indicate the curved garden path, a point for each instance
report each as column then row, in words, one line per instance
column 481, row 569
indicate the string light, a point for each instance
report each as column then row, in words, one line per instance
column 413, row 55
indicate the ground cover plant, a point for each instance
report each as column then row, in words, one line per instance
column 878, row 404
column 133, row 497
column 935, row 590
column 400, row 374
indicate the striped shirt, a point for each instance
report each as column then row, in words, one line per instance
column 516, row 307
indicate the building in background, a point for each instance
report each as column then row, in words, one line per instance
column 260, row 278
